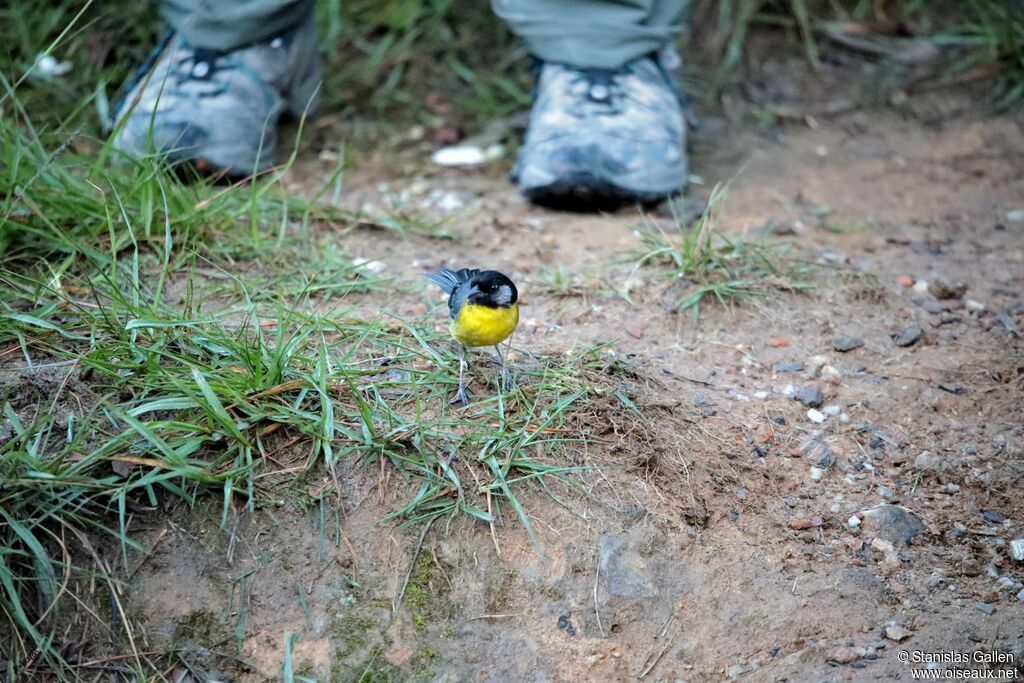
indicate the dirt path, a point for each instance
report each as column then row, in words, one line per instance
column 726, row 537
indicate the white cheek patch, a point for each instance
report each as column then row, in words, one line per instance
column 503, row 297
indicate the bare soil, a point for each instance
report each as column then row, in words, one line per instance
column 704, row 549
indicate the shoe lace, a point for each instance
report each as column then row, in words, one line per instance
column 202, row 65
column 600, row 86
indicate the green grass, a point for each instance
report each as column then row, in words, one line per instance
column 189, row 339
column 702, row 264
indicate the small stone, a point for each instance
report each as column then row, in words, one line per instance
column 787, row 367
column 817, row 474
column 831, row 375
column 925, row 461
column 1005, row 583
column 735, row 671
column 973, row 305
column 941, row 289
column 892, row 523
column 624, row 568
column 1015, row 216
column 855, row 544
column 908, row 336
column 815, row 416
column 890, row 558
column 811, row 396
column 905, row 281
column 1020, row 596
column 819, row 453
column 853, row 522
column 832, row 410
column 886, row 492
column 816, row 362
column 844, row 654
column 844, row 344
column 921, row 286
column 778, row 342
column 984, row 607
column 634, row 331
column 1017, row 549
column 993, row 516
column 897, row 632
column 801, row 523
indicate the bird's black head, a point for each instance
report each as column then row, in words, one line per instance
column 491, row 288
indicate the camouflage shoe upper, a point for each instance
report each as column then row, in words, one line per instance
column 599, row 138
column 219, row 109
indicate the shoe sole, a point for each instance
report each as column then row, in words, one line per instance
column 587, row 192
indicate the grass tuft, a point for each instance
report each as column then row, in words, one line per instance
column 703, row 264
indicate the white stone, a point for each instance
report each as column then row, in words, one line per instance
column 815, row 416
column 973, row 305
column 1017, row 549
column 921, row 286
column 467, row 155
column 853, row 522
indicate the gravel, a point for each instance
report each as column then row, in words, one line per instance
column 908, row 336
column 844, row 344
column 811, row 396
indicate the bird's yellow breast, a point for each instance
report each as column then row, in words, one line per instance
column 477, row 325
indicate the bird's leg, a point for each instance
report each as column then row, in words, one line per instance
column 506, row 376
column 460, row 395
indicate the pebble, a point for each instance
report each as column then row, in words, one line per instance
column 853, row 522
column 941, row 289
column 832, row 410
column 778, row 342
column 892, row 523
column 907, row 336
column 1005, row 583
column 787, row 367
column 625, row 571
column 817, row 451
column 886, row 492
column 1015, row 216
column 735, row 671
column 789, row 391
column 844, row 344
column 993, row 516
column 926, row 460
column 801, row 523
column 831, row 375
column 815, row 416
column 816, row 362
column 1020, row 596
column 984, row 607
column 921, row 286
column 897, row 632
column 890, row 558
column 973, row 305
column 905, row 281
column 817, row 473
column 1017, row 549
column 811, row 396
column 843, row 654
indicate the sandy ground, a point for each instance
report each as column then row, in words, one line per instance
column 730, row 535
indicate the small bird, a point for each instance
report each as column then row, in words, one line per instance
column 484, row 307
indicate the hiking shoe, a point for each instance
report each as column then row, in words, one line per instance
column 603, row 138
column 219, row 110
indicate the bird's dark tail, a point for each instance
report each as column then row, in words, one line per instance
column 448, row 279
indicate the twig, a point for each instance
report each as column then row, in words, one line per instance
column 158, row 541
column 657, row 658
column 412, row 567
column 495, row 616
column 597, row 611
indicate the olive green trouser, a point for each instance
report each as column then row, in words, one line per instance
column 583, row 33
